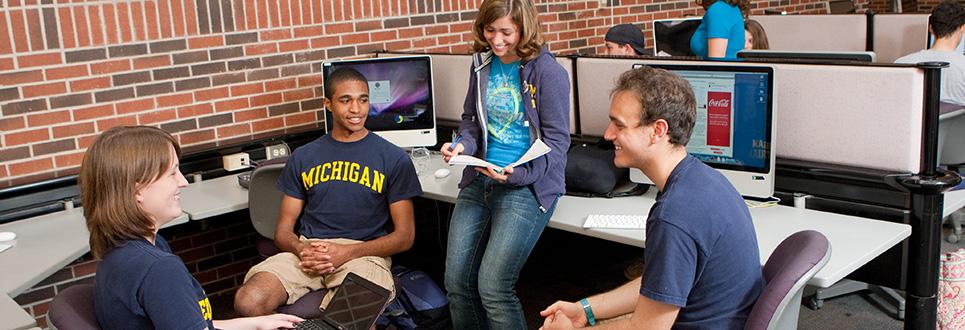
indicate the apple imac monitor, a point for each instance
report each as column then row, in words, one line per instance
column 733, row 130
column 808, row 55
column 671, row 37
column 401, row 100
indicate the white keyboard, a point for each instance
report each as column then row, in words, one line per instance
column 615, row 221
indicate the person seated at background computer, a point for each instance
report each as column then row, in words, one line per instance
column 624, row 40
column 754, row 35
column 130, row 186
column 353, row 190
column 947, row 25
column 721, row 31
column 702, row 269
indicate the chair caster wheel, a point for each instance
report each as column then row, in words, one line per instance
column 814, row 303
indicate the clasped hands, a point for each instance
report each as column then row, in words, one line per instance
column 501, row 175
column 320, row 258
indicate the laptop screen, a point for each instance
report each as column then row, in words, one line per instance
column 357, row 303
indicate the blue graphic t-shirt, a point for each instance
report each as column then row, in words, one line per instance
column 140, row 285
column 508, row 136
column 347, row 187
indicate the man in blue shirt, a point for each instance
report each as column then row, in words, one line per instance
column 351, row 191
column 701, row 266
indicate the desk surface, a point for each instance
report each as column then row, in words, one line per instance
column 212, row 197
column 13, row 316
column 854, row 240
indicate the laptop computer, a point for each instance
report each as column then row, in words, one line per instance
column 355, row 306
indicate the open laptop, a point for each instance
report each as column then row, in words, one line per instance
column 355, row 306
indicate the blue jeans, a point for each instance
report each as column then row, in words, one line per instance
column 493, row 229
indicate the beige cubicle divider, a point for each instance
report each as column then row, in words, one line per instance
column 897, row 35
column 450, row 82
column 815, row 32
column 861, row 116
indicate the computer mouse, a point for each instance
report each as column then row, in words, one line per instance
column 7, row 236
column 441, row 173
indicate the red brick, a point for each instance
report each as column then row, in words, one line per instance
column 97, row 27
column 80, row 24
column 124, row 21
column 97, row 111
column 33, row 23
column 285, row 14
column 84, row 142
column 31, row 166
column 164, row 19
column 308, row 31
column 317, row 12
column 299, row 119
column 262, row 13
column 339, row 28
column 410, row 33
column 157, row 116
column 195, row 110
column 73, row 130
column 6, row 63
column 44, row 89
column 177, row 15
column 5, row 46
column 324, row 42
column 21, row 77
column 195, row 137
column 229, row 105
column 267, row 124
column 206, row 42
column 279, row 34
column 191, row 17
column 89, row 84
column 110, row 24
column 134, row 106
column 15, row 123
column 15, row 139
column 69, row 160
column 137, row 17
column 174, row 100
column 291, row 46
column 385, row 35
column 67, row 72
column 307, row 12
column 438, row 29
column 47, row 119
column 280, row 85
column 357, row 38
column 398, row 45
column 234, row 130
column 110, row 66
column 18, row 23
column 3, row 171
column 211, row 94
column 105, row 124
column 239, row 15
column 260, row 49
column 267, row 99
column 248, row 115
column 310, row 81
column 251, row 15
column 239, row 90
column 300, row 94
column 152, row 62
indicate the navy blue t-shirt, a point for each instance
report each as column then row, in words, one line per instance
column 140, row 285
column 347, row 187
column 702, row 253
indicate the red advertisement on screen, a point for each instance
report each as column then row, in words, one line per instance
column 718, row 118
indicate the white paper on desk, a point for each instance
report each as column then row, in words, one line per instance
column 537, row 149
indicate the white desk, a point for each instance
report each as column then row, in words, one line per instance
column 854, row 240
column 954, row 200
column 45, row 244
column 212, row 197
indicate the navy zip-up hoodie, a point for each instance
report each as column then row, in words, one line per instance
column 545, row 82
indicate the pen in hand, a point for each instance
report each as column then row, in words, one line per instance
column 454, row 142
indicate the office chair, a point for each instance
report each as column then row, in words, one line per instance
column 73, row 309
column 787, row 270
column 951, row 153
column 264, row 202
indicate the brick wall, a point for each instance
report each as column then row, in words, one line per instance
column 209, row 70
column 218, row 252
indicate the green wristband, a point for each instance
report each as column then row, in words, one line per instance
column 589, row 312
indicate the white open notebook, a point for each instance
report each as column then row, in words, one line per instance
column 537, row 149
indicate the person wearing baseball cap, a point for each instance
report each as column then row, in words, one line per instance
column 624, row 39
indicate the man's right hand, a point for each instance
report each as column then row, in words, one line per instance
column 448, row 153
column 572, row 310
column 314, row 258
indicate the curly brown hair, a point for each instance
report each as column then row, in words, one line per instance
column 524, row 15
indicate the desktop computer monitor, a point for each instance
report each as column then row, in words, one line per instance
column 733, row 131
column 808, row 55
column 401, row 100
column 671, row 37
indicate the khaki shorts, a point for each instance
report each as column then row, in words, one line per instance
column 284, row 266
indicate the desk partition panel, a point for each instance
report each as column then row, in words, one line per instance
column 897, row 35
column 815, row 32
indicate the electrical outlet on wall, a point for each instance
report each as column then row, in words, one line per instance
column 276, row 151
column 236, row 161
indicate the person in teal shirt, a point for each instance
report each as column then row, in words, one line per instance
column 721, row 32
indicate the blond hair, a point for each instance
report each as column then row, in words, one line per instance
column 524, row 15
column 121, row 161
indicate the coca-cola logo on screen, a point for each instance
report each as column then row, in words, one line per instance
column 719, row 103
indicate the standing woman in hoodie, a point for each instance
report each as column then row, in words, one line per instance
column 518, row 94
